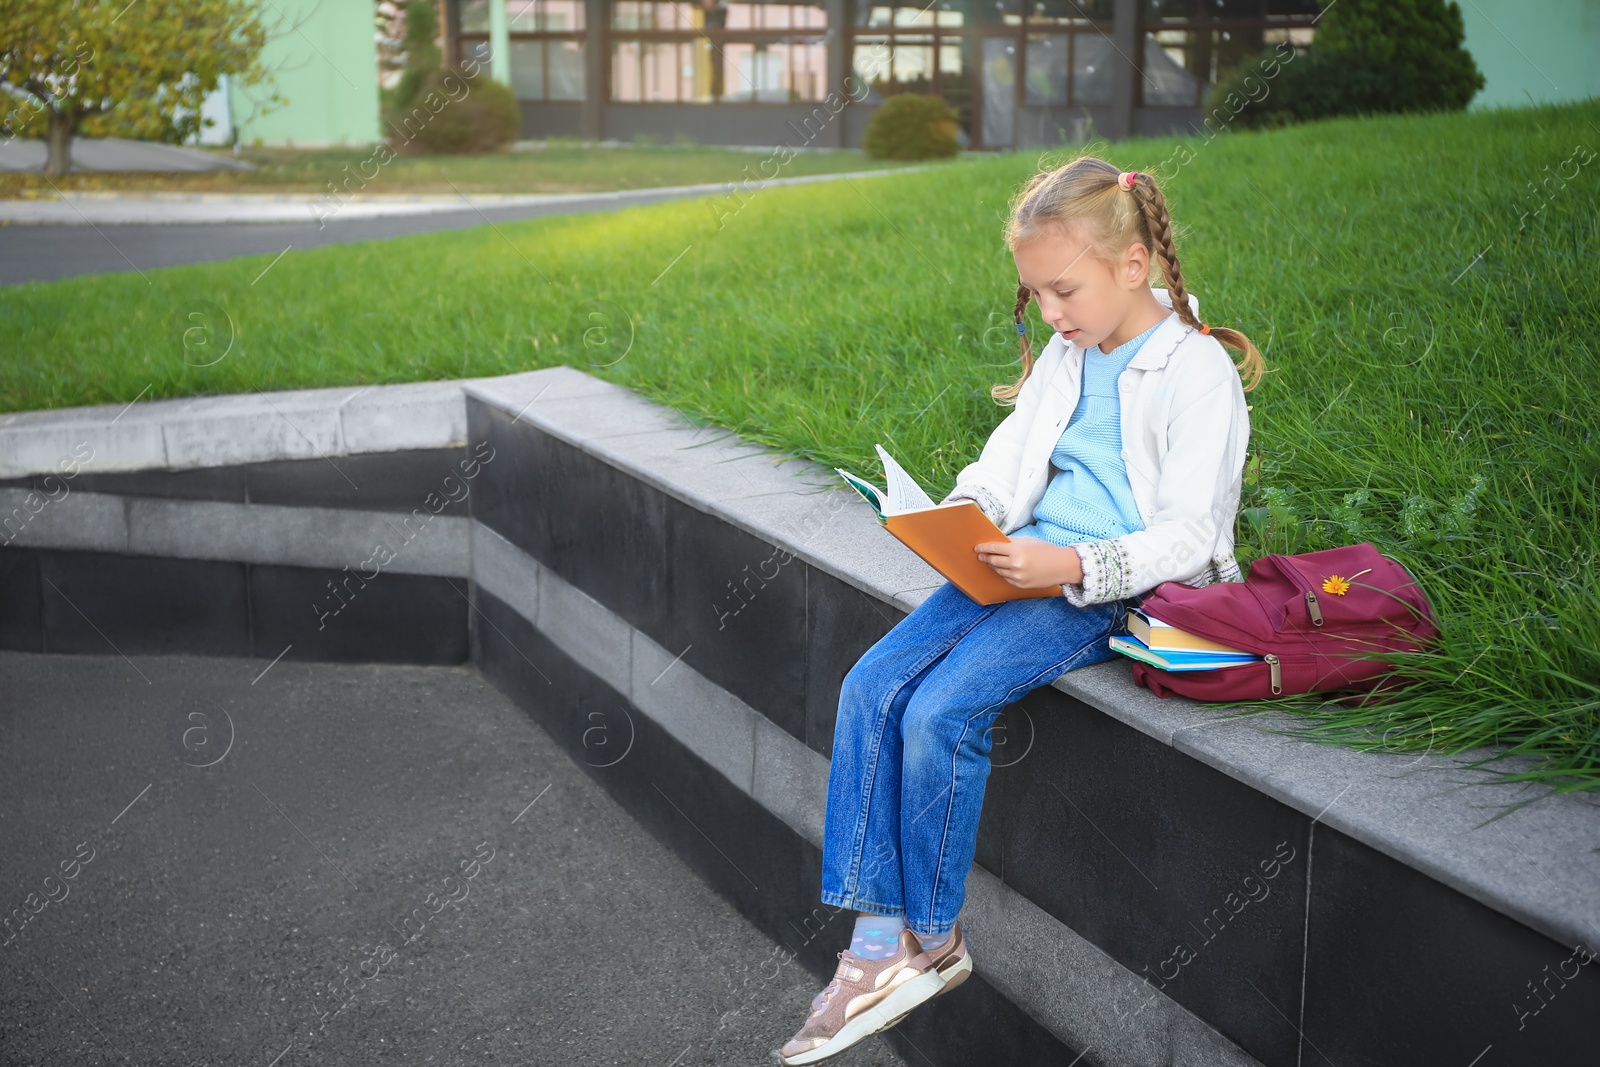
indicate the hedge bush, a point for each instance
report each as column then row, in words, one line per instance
column 454, row 113
column 911, row 126
column 1368, row 57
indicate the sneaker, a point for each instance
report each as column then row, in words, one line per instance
column 951, row 961
column 864, row 997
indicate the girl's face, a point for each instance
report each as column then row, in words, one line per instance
column 1084, row 298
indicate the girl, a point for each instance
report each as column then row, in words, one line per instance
column 1118, row 468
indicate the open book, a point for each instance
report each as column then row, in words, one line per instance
column 942, row 534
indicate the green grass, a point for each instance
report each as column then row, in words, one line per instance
column 561, row 167
column 1433, row 355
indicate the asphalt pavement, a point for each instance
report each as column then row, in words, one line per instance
column 213, row 860
column 45, row 252
column 49, row 238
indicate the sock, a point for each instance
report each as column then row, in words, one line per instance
column 875, row 937
column 932, row 941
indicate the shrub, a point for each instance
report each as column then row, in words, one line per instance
column 910, row 126
column 454, row 113
column 1368, row 57
column 1259, row 93
column 422, row 54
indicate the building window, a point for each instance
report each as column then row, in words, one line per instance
column 525, row 16
column 547, row 44
column 679, row 53
column 1190, row 45
column 1242, row 10
column 910, row 48
column 1068, row 69
column 1070, row 12
column 667, row 15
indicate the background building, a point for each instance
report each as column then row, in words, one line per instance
column 1018, row 72
column 1534, row 53
column 324, row 59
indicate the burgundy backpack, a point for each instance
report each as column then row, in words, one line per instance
column 1321, row 621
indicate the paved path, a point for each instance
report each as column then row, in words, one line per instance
column 116, row 154
column 85, row 207
column 44, row 239
column 223, row 909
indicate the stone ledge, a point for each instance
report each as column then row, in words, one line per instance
column 1414, row 810
column 1060, row 978
column 1536, row 865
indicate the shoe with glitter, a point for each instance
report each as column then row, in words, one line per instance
column 864, row 997
column 951, row 962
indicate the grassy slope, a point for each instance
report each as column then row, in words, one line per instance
column 562, row 167
column 1433, row 354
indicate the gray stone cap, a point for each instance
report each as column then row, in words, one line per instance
column 220, row 431
column 1538, row 864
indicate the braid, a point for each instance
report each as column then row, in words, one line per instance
column 1019, row 312
column 1153, row 204
column 1090, row 191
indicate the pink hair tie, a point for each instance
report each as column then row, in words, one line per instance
column 1127, row 178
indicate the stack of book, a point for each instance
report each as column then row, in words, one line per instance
column 1154, row 642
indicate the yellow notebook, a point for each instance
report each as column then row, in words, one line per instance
column 942, row 534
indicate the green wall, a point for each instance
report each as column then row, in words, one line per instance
column 1534, row 51
column 324, row 56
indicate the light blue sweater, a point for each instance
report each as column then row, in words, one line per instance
column 1089, row 498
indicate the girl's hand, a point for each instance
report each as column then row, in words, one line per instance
column 1029, row 563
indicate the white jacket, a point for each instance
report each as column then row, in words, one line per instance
column 1185, row 430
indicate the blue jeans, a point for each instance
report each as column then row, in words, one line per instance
column 911, row 746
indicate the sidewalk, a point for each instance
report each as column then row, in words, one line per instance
column 103, row 208
column 117, row 154
column 349, row 863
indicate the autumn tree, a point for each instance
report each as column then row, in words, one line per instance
column 118, row 68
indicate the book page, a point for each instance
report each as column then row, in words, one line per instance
column 869, row 492
column 903, row 493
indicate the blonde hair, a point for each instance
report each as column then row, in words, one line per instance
column 1089, row 191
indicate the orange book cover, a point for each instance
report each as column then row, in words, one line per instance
column 944, row 535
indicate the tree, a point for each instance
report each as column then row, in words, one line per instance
column 119, row 68
column 1395, row 55
column 421, row 52
column 1368, row 57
